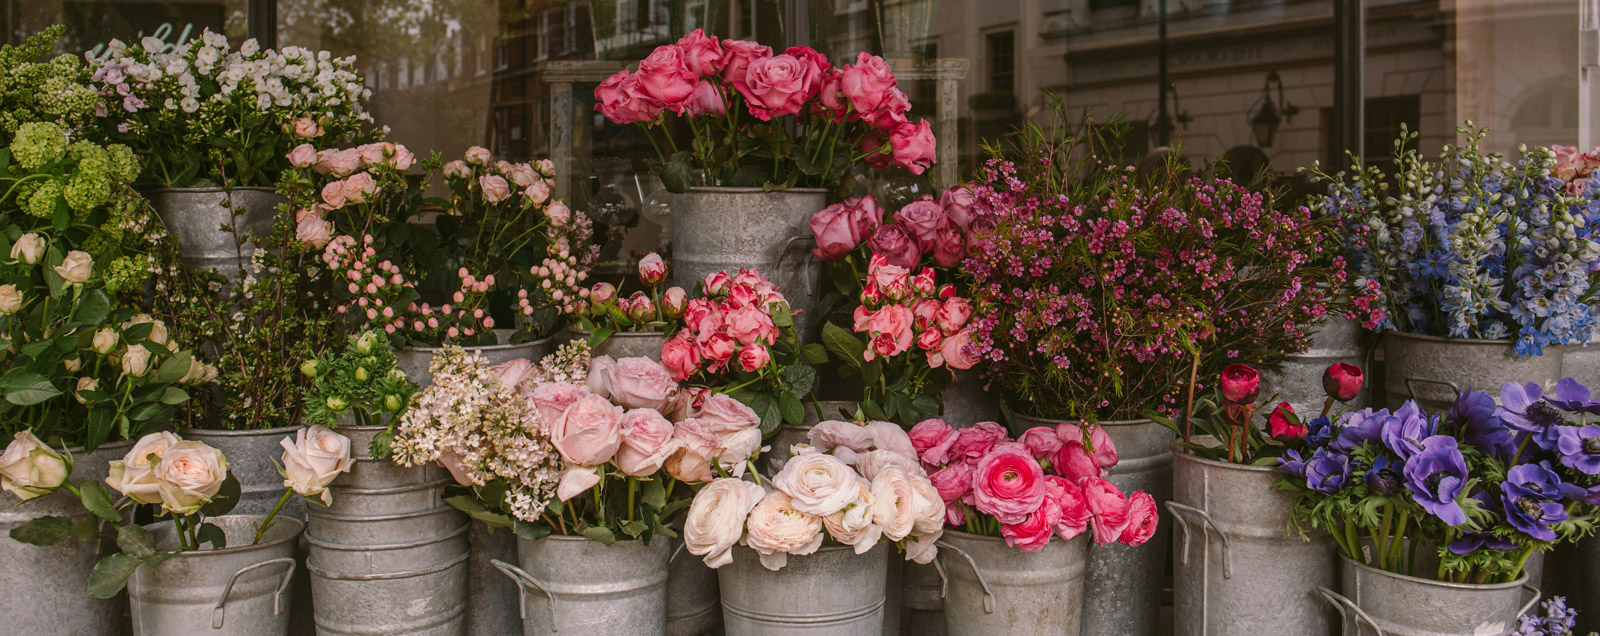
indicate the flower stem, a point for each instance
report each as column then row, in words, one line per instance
column 266, row 524
column 1381, row 539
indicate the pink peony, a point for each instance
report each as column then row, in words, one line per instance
column 1142, row 519
column 1041, row 441
column 588, row 432
column 975, row 441
column 701, row 53
column 1109, row 507
column 652, row 270
column 1008, row 484
column 893, row 243
column 914, row 146
column 933, row 439
column 666, row 78
column 646, row 442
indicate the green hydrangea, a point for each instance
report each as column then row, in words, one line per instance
column 124, row 164
column 38, row 143
column 87, row 190
column 124, row 274
column 42, row 202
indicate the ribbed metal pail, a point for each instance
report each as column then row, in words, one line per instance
column 833, row 591
column 1398, row 605
column 725, row 229
column 996, row 589
column 195, row 217
column 240, row 590
column 571, row 585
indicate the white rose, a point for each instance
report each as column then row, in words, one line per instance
column 105, row 340
column 819, row 484
column 894, row 503
column 134, row 475
column 10, row 299
column 853, row 525
column 715, row 521
column 733, row 449
column 158, row 329
column 136, row 361
column 312, row 461
column 29, row 248
column 75, row 267
column 29, row 468
column 189, row 475
column 776, row 530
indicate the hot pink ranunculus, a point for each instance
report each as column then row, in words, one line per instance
column 1104, row 450
column 588, row 432
column 1041, row 441
column 958, row 351
column 706, row 100
column 835, row 230
column 680, row 356
column 1073, row 463
column 1142, row 519
column 1008, row 484
column 701, row 53
column 551, row 399
column 933, row 439
column 953, row 482
column 914, row 146
column 921, row 218
column 975, row 441
column 957, row 204
column 895, row 244
column 720, row 414
column 646, row 442
column 665, row 77
column 1068, row 496
column 737, row 56
column 1109, row 507
column 1034, row 532
column 867, row 82
column 777, row 86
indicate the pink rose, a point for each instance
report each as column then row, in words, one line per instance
column 914, row 146
column 1041, row 441
column 402, row 158
column 867, row 215
column 538, row 192
column 833, row 434
column 1033, row 533
column 718, row 348
column 777, row 86
column 753, row 357
column 957, row 204
column 374, row 154
column 921, row 218
column 523, row 175
column 640, row 383
column 891, row 111
column 1068, row 497
column 358, row 187
column 307, row 128
column 691, row 462
column 706, row 100
column 894, row 321
column 720, row 414
column 303, row 156
column 1568, row 164
column 701, row 53
column 477, row 155
column 665, row 78
column 1008, row 484
column 1142, row 519
column 495, row 188
column 879, row 153
column 646, row 442
column 892, row 242
column 949, row 246
column 313, row 230
column 588, row 432
column 835, row 231
column 737, row 56
column 512, row 372
column 750, row 324
column 610, row 96
column 975, row 441
column 926, row 310
column 831, row 101
column 958, row 350
column 333, row 194
column 953, row 314
column 867, row 82
column 338, row 162
column 953, row 482
column 1109, row 507
column 933, row 440
column 680, row 356
column 716, row 283
column 457, row 169
column 551, row 399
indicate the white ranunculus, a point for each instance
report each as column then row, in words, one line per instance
column 929, row 517
column 716, row 519
column 29, row 468
column 189, row 475
column 871, row 462
column 733, row 449
column 776, row 530
column 134, row 475
column 313, row 460
column 853, row 525
column 894, row 503
column 819, row 484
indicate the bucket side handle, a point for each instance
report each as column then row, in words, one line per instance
column 524, row 581
column 1339, row 602
column 1412, row 382
column 219, row 611
column 944, row 581
column 805, row 254
column 676, row 552
column 1532, row 601
column 1177, row 510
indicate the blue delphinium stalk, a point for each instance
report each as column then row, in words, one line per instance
column 1557, row 620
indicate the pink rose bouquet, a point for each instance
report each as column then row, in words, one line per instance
column 654, row 310
column 759, row 118
column 1048, row 483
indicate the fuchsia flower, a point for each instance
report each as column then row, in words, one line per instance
column 1109, row 507
column 1008, row 484
column 737, row 56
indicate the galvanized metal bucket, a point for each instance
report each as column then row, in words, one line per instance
column 833, row 591
column 1582, row 363
column 625, row 344
column 1299, row 380
column 1237, row 569
column 195, row 217
column 692, row 598
column 1435, row 370
column 1396, row 605
column 786, row 436
column 725, row 229
column 414, row 360
column 571, row 585
column 41, row 587
column 491, row 598
column 389, row 556
column 250, row 456
column 1589, row 608
column 240, row 590
column 922, row 595
column 966, row 402
column 1122, row 587
column 993, row 589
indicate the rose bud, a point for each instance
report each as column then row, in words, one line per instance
column 923, row 281
column 652, row 270
column 1239, row 413
column 602, row 294
column 754, row 357
column 1283, row 423
column 640, row 309
column 673, row 302
column 1240, row 384
column 1342, row 381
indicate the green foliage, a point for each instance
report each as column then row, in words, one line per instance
column 363, row 382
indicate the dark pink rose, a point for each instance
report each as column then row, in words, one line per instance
column 891, row 113
column 879, row 155
column 1008, row 484
column 1041, row 441
column 718, row 348
column 1068, row 496
column 975, row 441
column 868, row 216
column 835, row 230
column 830, row 96
column 914, row 146
column 816, row 64
column 894, row 244
column 867, row 82
column 737, row 56
column 706, row 100
column 957, row 204
column 754, row 357
column 933, row 439
column 921, row 218
column 680, row 356
column 1142, row 519
column 609, row 96
column 953, row 482
column 1109, row 507
column 949, row 246
column 1034, row 532
column 777, row 86
column 701, row 53
column 750, row 324
column 665, row 78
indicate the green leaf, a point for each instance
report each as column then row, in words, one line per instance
column 800, row 378
column 635, row 528
column 601, row 534
column 814, row 353
column 92, row 307
column 111, row 574
column 48, row 530
column 63, row 215
column 843, row 344
column 137, row 541
column 137, row 333
column 530, row 531
column 210, row 533
column 871, row 372
column 599, row 335
column 96, row 498
column 475, row 509
column 226, row 498
column 145, row 411
column 871, row 410
column 174, row 396
column 26, row 388
column 783, row 319
column 793, row 412
column 676, row 173
column 86, row 529
column 655, row 494
column 160, row 557
column 174, row 368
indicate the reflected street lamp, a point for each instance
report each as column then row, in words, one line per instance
column 1268, row 116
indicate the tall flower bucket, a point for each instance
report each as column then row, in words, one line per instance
column 725, row 229
column 1398, row 605
column 691, row 592
column 967, row 403
column 240, row 590
column 195, row 217
column 1299, row 380
column 786, row 436
column 995, row 589
column 1237, row 568
column 414, row 360
column 389, row 557
column 41, row 587
column 1589, row 609
column 832, row 591
column 571, row 585
column 1122, row 587
column 626, row 344
column 1433, row 370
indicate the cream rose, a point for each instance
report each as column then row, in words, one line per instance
column 75, row 267
column 136, row 361
column 894, row 503
column 158, row 329
column 312, row 461
column 776, row 530
column 85, row 384
column 104, row 340
column 29, row 248
column 189, row 475
column 819, row 484
column 10, row 299
column 29, row 468
column 853, row 524
column 134, row 475
column 715, row 521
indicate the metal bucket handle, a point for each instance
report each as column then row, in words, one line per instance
column 1413, row 390
column 523, row 581
column 677, row 551
column 1227, row 544
column 783, row 255
column 944, row 581
column 1339, row 602
column 218, row 612
column 1536, row 596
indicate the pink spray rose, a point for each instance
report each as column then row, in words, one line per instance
column 477, row 155
column 914, row 146
column 588, row 432
column 495, row 188
column 680, row 356
column 921, row 218
column 313, row 230
column 338, row 162
column 1008, row 484
column 716, row 283
column 777, row 86
column 867, row 82
column 646, row 442
column 665, row 78
column 750, row 324
column 975, row 441
column 1041, row 441
column 718, row 348
column 953, row 314
column 894, row 321
column 303, row 156
column 307, row 128
column 754, row 357
column 893, row 243
column 933, row 440
column 691, row 462
column 1142, row 519
column 359, row 187
column 738, row 54
column 1109, row 507
column 958, row 351
column 701, row 53
column 333, row 195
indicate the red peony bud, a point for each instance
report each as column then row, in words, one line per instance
column 1283, row 423
column 1342, row 381
column 1240, row 383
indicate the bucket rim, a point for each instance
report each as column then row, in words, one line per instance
column 752, row 190
column 239, row 432
column 1480, row 342
column 299, row 529
column 210, row 189
column 1179, row 452
column 1036, row 418
column 1517, row 584
column 488, row 348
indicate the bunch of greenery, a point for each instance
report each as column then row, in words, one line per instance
column 363, row 383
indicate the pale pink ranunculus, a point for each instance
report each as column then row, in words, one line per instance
column 853, row 524
column 750, row 324
column 894, row 503
column 701, row 53
column 338, row 162
column 737, row 56
column 957, row 204
column 895, row 244
column 1041, row 441
column 722, row 414
column 973, row 442
column 716, row 519
column 1008, row 484
column 1109, row 507
column 313, row 230
column 477, row 155
column 1142, row 519
column 735, row 449
column 664, row 77
column 890, row 437
column 776, row 530
column 638, row 383
column 706, row 100
column 754, row 357
column 588, row 432
column 953, row 314
column 834, row 231
column 867, row 82
column 933, row 439
column 818, row 484
column 930, row 506
column 914, row 146
column 495, row 188
column 359, row 187
column 1034, row 532
column 551, row 399
column 680, row 356
column 833, row 434
column 921, row 218
column 953, row 482
column 697, row 447
column 1075, row 516
column 303, row 156
column 333, row 195
column 646, row 442
column 307, row 128
column 958, row 350
column 923, row 549
column 872, row 462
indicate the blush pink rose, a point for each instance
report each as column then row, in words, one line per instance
column 750, row 324
column 894, row 321
column 718, row 348
column 646, row 442
column 551, row 399
column 721, row 415
column 512, row 372
column 835, row 232
column 921, row 218
column 893, row 243
column 867, row 82
column 958, row 351
column 303, row 156
column 914, row 146
column 777, row 86
column 666, row 78
column 697, row 447
column 641, row 383
column 975, row 441
column 1069, row 499
column 333, row 195
column 1008, row 484
column 706, row 100
column 338, row 162
column 588, row 432
column 832, row 434
column 957, row 204
column 953, row 482
column 1041, row 441
column 737, row 56
column 495, row 188
column 680, row 356
column 1033, row 533
column 1109, row 507
column 1568, row 164
column 307, row 128
column 313, row 230
column 359, row 187
column 375, row 153
column 1142, row 519
column 701, row 53
column 933, row 439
